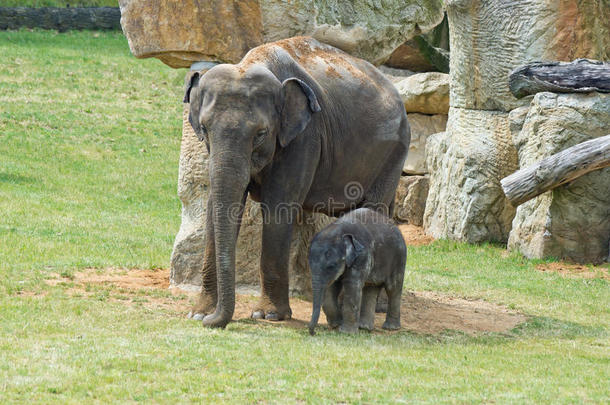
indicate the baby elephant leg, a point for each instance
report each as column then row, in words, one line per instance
column 392, row 320
column 331, row 305
column 367, row 310
column 352, row 297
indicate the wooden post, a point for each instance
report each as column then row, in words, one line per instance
column 556, row 170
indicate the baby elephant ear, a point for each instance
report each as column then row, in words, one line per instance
column 299, row 103
column 353, row 249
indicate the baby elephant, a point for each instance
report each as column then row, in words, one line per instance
column 360, row 253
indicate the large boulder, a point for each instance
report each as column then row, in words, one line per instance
column 422, row 126
column 466, row 164
column 572, row 221
column 489, row 38
column 187, row 256
column 180, row 33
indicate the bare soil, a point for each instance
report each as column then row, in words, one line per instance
column 415, row 235
column 421, row 312
column 573, row 270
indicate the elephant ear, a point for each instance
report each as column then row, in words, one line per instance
column 353, row 249
column 299, row 103
column 194, row 107
column 193, row 81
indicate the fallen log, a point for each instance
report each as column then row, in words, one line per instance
column 579, row 76
column 556, row 170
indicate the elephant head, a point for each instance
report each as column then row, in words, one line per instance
column 330, row 254
column 243, row 116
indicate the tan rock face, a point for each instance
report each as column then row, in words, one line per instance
column 181, row 32
column 410, row 201
column 572, row 221
column 426, row 93
column 490, row 38
column 408, row 56
column 466, row 163
column 187, row 256
column 422, row 126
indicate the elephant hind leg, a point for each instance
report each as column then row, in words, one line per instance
column 392, row 320
column 275, row 255
column 380, row 196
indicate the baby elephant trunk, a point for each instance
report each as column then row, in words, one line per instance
column 318, row 294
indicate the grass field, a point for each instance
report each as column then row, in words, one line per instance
column 89, row 146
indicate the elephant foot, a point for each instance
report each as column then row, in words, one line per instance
column 271, row 313
column 205, row 306
column 216, row 320
column 366, row 325
column 333, row 324
column 391, row 325
column 348, row 328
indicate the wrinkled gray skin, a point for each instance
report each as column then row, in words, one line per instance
column 292, row 124
column 359, row 254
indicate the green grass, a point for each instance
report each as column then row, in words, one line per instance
column 59, row 3
column 89, row 146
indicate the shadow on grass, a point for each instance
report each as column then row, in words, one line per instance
column 533, row 327
column 16, row 179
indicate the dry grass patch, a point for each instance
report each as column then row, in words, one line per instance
column 572, row 270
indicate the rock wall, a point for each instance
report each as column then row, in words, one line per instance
column 488, row 39
column 179, row 33
column 187, row 256
column 491, row 38
column 466, row 163
column 59, row 18
column 572, row 221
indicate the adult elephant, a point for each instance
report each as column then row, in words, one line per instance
column 299, row 125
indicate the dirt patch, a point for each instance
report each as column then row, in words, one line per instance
column 415, row 235
column 572, row 270
column 421, row 312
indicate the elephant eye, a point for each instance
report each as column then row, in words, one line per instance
column 260, row 137
column 204, row 133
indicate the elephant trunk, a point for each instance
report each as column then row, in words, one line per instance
column 229, row 179
column 319, row 289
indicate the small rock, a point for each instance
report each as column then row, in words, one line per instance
column 426, row 93
column 422, row 126
column 410, row 201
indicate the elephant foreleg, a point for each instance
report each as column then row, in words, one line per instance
column 275, row 257
column 331, row 306
column 367, row 310
column 206, row 303
column 352, row 299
